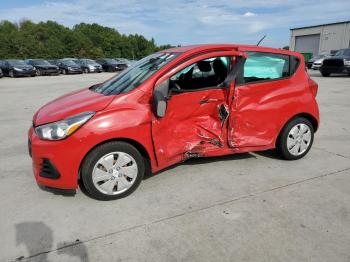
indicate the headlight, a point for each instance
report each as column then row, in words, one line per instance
column 346, row 62
column 69, row 68
column 17, row 69
column 91, row 67
column 64, row 128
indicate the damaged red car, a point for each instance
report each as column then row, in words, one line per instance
column 181, row 103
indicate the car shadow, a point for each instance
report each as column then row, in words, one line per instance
column 38, row 239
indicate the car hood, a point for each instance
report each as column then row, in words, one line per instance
column 46, row 66
column 27, row 67
column 318, row 61
column 71, row 104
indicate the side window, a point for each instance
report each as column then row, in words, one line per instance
column 261, row 66
column 206, row 73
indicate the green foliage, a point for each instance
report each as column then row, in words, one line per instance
column 52, row 40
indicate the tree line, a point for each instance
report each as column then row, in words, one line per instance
column 27, row 39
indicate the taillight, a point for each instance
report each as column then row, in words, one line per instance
column 313, row 87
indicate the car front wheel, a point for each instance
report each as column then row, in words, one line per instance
column 112, row 171
column 296, row 139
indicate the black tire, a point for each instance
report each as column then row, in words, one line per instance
column 38, row 72
column 325, row 74
column 64, row 71
column 102, row 150
column 281, row 144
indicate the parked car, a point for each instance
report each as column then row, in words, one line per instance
column 123, row 63
column 313, row 59
column 109, row 64
column 15, row 68
column 1, row 74
column 89, row 66
column 67, row 66
column 339, row 63
column 43, row 67
column 159, row 113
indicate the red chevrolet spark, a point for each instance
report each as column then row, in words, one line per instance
column 181, row 103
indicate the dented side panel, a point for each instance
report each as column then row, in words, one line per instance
column 194, row 124
column 260, row 110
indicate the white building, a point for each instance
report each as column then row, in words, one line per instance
column 320, row 38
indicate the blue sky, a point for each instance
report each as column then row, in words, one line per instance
column 187, row 21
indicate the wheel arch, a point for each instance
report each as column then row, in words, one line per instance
column 307, row 116
column 133, row 142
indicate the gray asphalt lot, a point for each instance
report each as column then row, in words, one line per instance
column 246, row 207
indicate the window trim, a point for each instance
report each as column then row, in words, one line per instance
column 171, row 93
column 240, row 76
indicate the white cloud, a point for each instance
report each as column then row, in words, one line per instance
column 249, row 14
column 190, row 21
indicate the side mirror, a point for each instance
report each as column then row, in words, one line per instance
column 160, row 98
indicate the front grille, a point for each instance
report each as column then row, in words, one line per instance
column 48, row 170
column 333, row 62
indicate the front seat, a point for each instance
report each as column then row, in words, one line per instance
column 220, row 71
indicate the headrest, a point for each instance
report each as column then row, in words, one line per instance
column 204, row 66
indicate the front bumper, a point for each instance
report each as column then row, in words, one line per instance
column 335, row 69
column 55, row 163
column 316, row 66
column 24, row 73
column 96, row 69
column 74, row 71
column 50, row 71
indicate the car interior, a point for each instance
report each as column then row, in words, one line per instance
column 203, row 74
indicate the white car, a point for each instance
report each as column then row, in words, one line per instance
column 317, row 64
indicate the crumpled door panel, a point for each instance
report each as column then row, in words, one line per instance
column 191, row 126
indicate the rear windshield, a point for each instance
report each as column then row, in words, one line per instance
column 135, row 75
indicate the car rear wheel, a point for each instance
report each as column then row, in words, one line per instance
column 295, row 139
column 112, row 171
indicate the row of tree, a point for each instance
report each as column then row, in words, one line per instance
column 51, row 40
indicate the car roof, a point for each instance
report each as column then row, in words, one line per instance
column 224, row 47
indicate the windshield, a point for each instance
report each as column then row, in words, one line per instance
column 342, row 52
column 135, row 75
column 40, row 62
column 88, row 61
column 16, row 62
column 110, row 60
column 68, row 63
column 318, row 56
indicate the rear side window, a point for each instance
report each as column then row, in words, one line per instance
column 261, row 66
